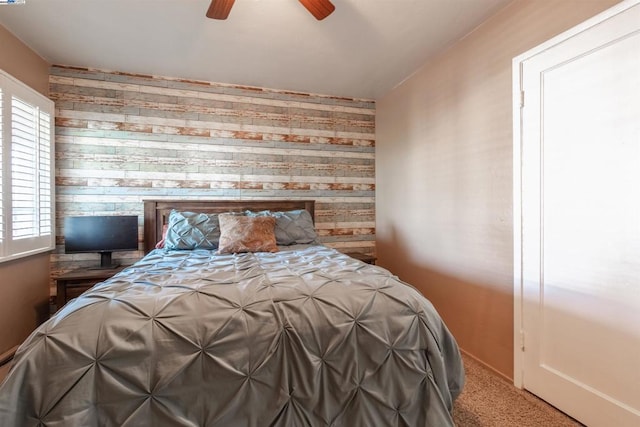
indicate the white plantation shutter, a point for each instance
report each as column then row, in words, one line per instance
column 24, row 169
column 45, row 173
column 27, row 176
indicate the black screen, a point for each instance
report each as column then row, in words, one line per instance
column 100, row 233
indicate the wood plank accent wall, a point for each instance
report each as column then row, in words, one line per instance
column 121, row 138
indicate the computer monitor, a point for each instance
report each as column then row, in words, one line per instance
column 101, row 234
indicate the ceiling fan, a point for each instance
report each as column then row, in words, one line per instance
column 320, row 9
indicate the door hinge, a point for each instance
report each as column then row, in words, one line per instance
column 521, row 99
column 522, row 340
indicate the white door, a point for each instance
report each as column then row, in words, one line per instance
column 578, row 238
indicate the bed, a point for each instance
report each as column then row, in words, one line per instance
column 302, row 335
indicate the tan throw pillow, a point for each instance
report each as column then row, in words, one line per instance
column 160, row 244
column 246, row 234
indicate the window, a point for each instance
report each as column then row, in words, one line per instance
column 26, row 175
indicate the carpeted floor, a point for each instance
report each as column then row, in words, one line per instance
column 488, row 400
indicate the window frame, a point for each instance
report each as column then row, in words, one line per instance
column 13, row 248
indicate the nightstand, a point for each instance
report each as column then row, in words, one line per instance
column 73, row 283
column 369, row 259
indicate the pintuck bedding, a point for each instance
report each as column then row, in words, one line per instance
column 305, row 336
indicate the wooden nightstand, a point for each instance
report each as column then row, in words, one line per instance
column 73, row 283
column 369, row 259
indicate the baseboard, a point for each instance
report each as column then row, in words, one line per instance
column 489, row 367
column 8, row 355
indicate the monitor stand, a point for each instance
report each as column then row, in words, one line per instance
column 105, row 262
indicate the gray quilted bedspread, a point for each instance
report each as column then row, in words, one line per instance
column 306, row 337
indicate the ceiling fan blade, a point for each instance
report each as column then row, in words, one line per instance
column 219, row 9
column 319, row 8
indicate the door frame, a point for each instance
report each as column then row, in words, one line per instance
column 518, row 102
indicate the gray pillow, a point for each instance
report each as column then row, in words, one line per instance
column 292, row 227
column 190, row 230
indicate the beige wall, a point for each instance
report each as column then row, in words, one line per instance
column 24, row 283
column 22, row 63
column 444, row 174
column 24, row 287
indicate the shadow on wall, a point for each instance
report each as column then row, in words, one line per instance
column 479, row 315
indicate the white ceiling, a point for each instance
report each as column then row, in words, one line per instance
column 364, row 49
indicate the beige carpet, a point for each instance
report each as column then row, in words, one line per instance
column 489, row 400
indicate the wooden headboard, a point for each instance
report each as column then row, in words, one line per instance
column 156, row 212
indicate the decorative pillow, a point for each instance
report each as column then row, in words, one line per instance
column 292, row 227
column 190, row 230
column 246, row 234
column 160, row 244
